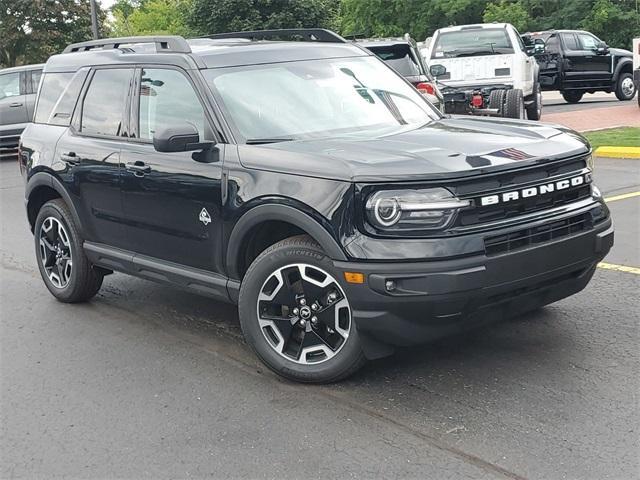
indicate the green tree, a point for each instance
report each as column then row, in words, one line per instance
column 508, row 11
column 396, row 17
column 612, row 23
column 32, row 30
column 214, row 16
column 150, row 17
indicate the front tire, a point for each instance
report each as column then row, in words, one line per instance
column 296, row 316
column 64, row 267
column 572, row 96
column 625, row 88
column 534, row 109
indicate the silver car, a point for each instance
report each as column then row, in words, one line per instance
column 18, row 88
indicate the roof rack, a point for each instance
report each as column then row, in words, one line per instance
column 164, row 43
column 306, row 34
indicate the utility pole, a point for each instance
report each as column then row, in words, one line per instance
column 94, row 20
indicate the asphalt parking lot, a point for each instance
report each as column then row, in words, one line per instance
column 150, row 382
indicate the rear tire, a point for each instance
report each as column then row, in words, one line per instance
column 64, row 267
column 572, row 96
column 534, row 109
column 288, row 319
column 625, row 88
column 514, row 104
column 496, row 100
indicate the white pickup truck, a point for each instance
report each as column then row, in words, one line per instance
column 486, row 69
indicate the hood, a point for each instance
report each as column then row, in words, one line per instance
column 447, row 148
column 620, row 52
column 476, row 70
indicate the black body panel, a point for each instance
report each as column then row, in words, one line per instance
column 190, row 218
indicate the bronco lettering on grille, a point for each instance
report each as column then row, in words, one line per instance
column 535, row 190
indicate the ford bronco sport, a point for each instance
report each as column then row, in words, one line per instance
column 308, row 183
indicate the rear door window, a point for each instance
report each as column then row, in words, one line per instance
column 570, row 42
column 104, row 103
column 34, row 81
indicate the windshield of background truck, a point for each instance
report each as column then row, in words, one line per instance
column 469, row 43
column 319, row 98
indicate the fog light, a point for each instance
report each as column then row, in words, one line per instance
column 390, row 285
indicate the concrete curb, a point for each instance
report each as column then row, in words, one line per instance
column 618, row 152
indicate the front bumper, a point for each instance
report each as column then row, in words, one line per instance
column 432, row 299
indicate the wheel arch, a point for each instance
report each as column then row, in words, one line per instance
column 41, row 188
column 262, row 216
column 624, row 66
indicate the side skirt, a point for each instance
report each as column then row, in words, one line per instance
column 199, row 281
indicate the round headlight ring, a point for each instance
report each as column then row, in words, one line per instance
column 387, row 211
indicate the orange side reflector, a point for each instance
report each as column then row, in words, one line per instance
column 354, row 277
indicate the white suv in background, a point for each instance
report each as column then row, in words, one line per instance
column 486, row 69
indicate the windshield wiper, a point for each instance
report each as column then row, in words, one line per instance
column 260, row 141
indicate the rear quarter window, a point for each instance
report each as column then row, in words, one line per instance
column 58, row 97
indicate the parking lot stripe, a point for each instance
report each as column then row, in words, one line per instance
column 619, row 268
column 615, row 198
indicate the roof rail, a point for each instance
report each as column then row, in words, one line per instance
column 164, row 43
column 306, row 34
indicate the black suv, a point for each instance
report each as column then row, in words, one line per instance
column 577, row 62
column 307, row 182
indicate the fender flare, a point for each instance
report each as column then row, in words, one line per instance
column 44, row 179
column 283, row 213
column 621, row 64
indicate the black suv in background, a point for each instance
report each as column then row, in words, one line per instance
column 577, row 62
column 18, row 87
column 308, row 183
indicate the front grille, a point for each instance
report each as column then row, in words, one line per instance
column 9, row 146
column 523, row 206
column 536, row 235
column 516, row 180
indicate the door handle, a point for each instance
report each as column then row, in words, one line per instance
column 70, row 158
column 139, row 168
column 15, row 104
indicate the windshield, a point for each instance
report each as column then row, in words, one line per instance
column 399, row 58
column 468, row 43
column 318, row 98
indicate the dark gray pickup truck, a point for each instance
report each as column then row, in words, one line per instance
column 18, row 88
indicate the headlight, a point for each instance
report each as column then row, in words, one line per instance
column 431, row 209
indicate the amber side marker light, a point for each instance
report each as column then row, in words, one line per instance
column 354, row 277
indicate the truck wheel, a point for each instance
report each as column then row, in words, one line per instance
column 572, row 96
column 625, row 89
column 296, row 316
column 496, row 100
column 64, row 267
column 534, row 109
column 514, row 104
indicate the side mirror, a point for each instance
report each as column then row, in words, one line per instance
column 437, row 70
column 180, row 138
column 602, row 48
column 539, row 46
